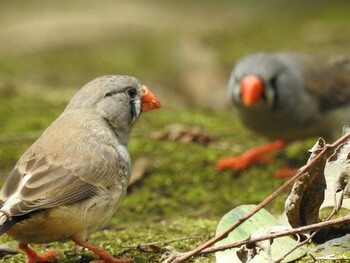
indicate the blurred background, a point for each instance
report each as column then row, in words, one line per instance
column 184, row 51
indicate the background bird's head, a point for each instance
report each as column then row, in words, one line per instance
column 264, row 81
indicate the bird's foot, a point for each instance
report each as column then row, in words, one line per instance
column 33, row 257
column 104, row 256
column 252, row 156
column 240, row 162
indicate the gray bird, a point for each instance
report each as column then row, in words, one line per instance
column 70, row 181
column 288, row 96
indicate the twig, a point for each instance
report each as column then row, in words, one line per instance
column 300, row 244
column 290, row 232
column 327, row 149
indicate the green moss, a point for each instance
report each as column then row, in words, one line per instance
column 139, row 241
column 182, row 194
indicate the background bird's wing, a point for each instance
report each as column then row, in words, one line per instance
column 329, row 80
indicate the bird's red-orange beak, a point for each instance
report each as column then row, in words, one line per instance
column 251, row 89
column 149, row 100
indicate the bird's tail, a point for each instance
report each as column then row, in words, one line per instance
column 4, row 222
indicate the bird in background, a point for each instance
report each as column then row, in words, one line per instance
column 70, row 181
column 288, row 96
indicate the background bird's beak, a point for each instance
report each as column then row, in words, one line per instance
column 149, row 101
column 251, row 89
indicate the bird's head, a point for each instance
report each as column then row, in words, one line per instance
column 256, row 80
column 118, row 99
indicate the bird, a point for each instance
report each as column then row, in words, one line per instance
column 69, row 182
column 287, row 96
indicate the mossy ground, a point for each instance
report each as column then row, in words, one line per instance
column 182, row 194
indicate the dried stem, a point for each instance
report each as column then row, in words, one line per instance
column 299, row 244
column 329, row 148
column 293, row 231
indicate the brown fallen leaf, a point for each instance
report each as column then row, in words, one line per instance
column 307, row 195
column 337, row 173
column 184, row 134
column 342, row 186
column 247, row 252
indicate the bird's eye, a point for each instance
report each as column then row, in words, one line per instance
column 131, row 92
column 108, row 94
column 271, row 93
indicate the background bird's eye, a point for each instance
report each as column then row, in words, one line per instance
column 131, row 92
column 273, row 83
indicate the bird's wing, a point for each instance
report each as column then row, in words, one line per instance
column 329, row 80
column 37, row 184
column 58, row 170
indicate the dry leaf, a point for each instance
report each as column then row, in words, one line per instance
column 342, row 186
column 341, row 154
column 247, row 252
column 303, row 204
column 338, row 177
column 178, row 132
column 343, row 179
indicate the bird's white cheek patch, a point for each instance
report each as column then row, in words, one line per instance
column 138, row 107
column 136, row 110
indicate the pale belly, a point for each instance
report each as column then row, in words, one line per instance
column 59, row 224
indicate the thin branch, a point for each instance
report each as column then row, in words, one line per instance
column 293, row 231
column 301, row 172
column 300, row 244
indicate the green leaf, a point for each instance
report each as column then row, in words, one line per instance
column 260, row 222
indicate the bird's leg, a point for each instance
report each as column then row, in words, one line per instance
column 252, row 156
column 104, row 255
column 33, row 257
